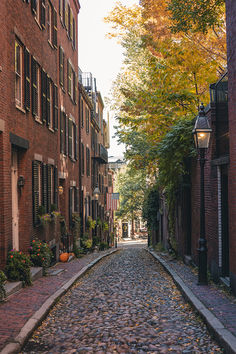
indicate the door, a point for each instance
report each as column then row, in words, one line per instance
column 15, row 207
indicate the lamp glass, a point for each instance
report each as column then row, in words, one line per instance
column 202, row 138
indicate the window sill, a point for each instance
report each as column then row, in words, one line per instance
column 20, row 109
column 38, row 120
column 51, row 130
column 36, row 20
column 51, row 45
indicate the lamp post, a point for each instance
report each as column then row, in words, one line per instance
column 202, row 133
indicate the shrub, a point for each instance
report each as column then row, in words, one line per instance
column 3, row 278
column 40, row 254
column 103, row 246
column 87, row 244
column 18, row 267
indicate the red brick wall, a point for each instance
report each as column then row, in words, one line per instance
column 17, row 20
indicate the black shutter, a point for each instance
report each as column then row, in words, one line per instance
column 43, row 95
column 55, row 192
column 77, row 200
column 70, row 205
column 82, row 113
column 69, row 22
column 75, row 141
column 34, row 86
column 44, row 187
column 34, row 6
column 27, row 79
column 68, row 75
column 66, row 133
column 54, row 28
column 62, row 135
column 60, row 66
column 48, row 105
column 49, row 187
column 63, row 11
column 82, row 158
column 70, row 142
column 74, row 86
column 55, row 107
column 74, row 34
column 43, row 13
column 35, row 192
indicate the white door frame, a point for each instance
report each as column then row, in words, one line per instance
column 15, row 206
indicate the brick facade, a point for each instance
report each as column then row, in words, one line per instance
column 30, row 37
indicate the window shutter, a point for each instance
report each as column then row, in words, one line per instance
column 60, row 8
column 49, row 187
column 89, row 162
column 74, row 87
column 70, row 205
column 82, row 158
column 76, row 141
column 70, row 142
column 44, row 187
column 63, row 11
column 62, row 137
column 77, row 200
column 34, row 86
column 68, row 77
column 66, row 15
column 43, row 95
column 35, row 190
column 61, row 66
column 43, row 13
column 27, row 79
column 33, row 6
column 66, row 133
column 55, row 107
column 82, row 113
column 69, row 22
column 74, row 34
column 48, row 106
column 55, row 192
column 54, row 28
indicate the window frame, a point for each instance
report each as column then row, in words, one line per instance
column 19, row 75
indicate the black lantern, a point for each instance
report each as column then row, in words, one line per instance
column 202, row 133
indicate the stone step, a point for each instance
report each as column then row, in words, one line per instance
column 12, row 287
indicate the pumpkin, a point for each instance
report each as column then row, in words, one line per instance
column 64, row 257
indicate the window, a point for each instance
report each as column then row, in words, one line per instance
column 36, row 98
column 52, row 25
column 74, row 34
column 61, row 67
column 51, row 105
column 71, row 82
column 18, row 74
column 38, row 8
column 55, row 107
column 73, row 202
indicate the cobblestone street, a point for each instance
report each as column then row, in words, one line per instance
column 125, row 304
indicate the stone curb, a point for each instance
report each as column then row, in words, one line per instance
column 224, row 337
column 16, row 345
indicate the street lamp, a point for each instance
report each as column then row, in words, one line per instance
column 96, row 193
column 202, row 133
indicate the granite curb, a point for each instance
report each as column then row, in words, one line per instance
column 224, row 337
column 16, row 345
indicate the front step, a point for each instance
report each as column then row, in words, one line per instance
column 11, row 287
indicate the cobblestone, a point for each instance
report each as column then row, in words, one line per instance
column 125, row 304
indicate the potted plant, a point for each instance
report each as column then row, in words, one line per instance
column 18, row 267
column 40, row 254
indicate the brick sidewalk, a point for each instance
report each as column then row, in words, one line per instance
column 221, row 304
column 21, row 306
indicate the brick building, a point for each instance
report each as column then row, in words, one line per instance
column 38, row 119
column 94, row 140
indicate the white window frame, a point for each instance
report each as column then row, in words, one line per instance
column 19, row 75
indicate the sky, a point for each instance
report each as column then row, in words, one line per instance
column 100, row 55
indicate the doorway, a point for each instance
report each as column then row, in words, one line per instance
column 224, row 221
column 15, row 205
